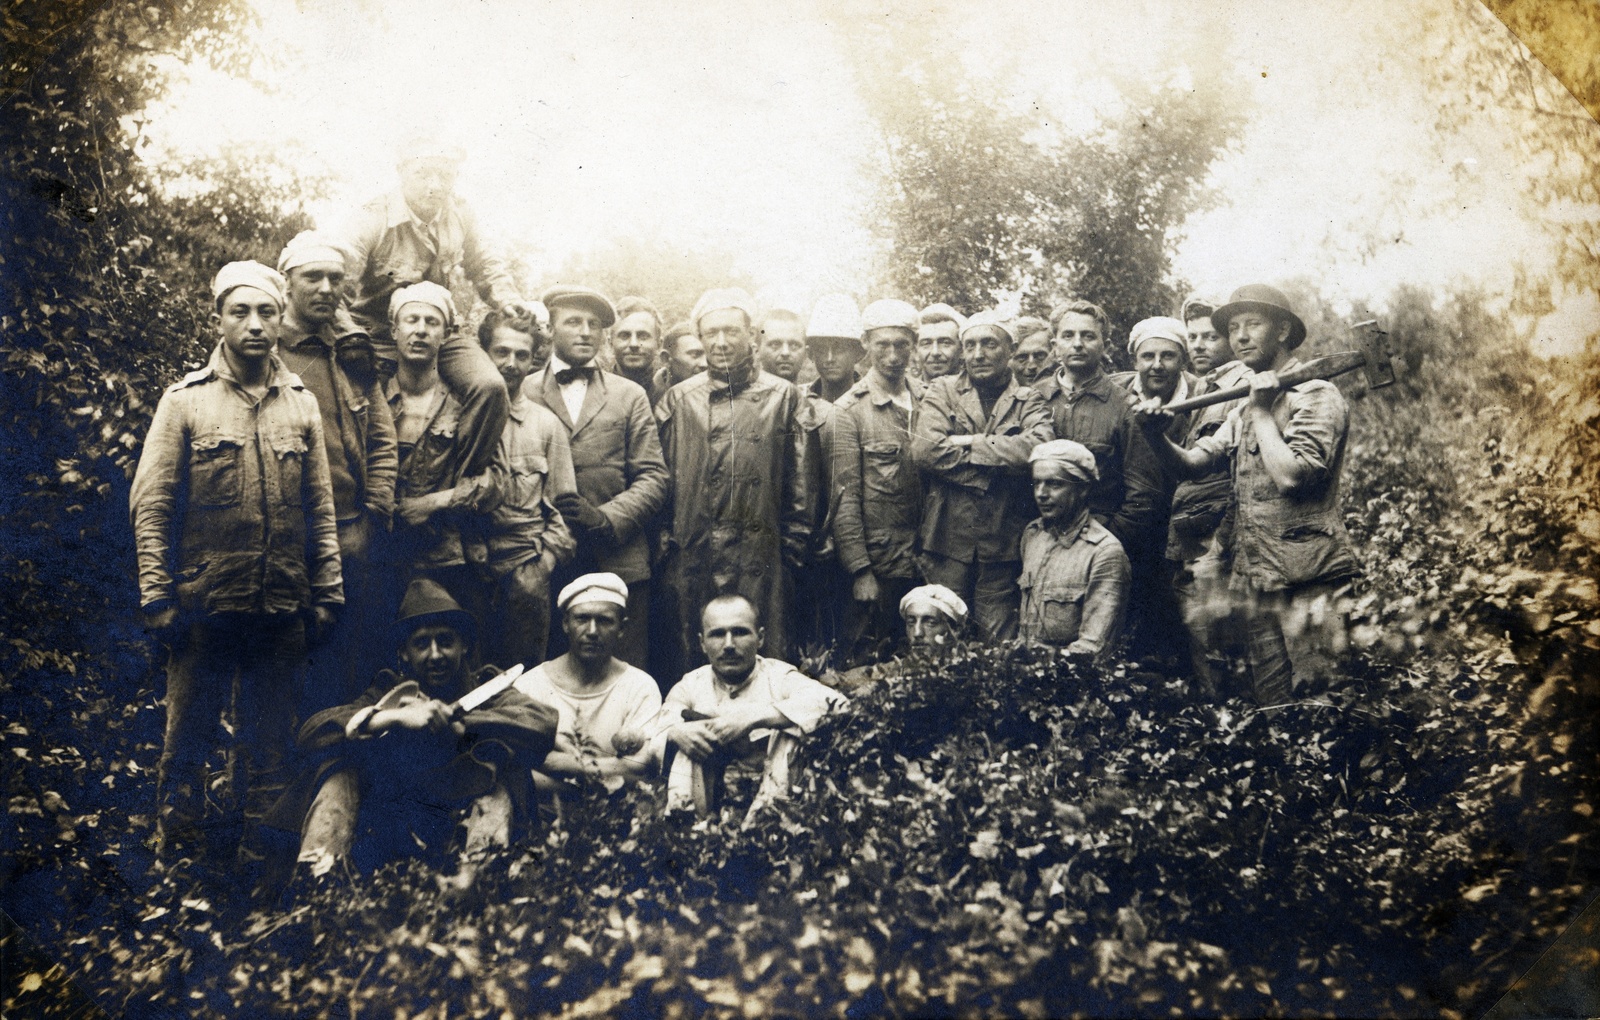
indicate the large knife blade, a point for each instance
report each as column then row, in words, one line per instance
column 488, row 689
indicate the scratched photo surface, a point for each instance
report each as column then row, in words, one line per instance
column 849, row 509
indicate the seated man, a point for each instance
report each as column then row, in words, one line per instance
column 403, row 766
column 1075, row 574
column 716, row 713
column 604, row 704
column 934, row 617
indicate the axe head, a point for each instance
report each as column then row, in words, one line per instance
column 1374, row 344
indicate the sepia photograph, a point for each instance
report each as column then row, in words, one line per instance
column 1036, row 508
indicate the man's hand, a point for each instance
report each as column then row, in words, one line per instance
column 583, row 514
column 694, row 739
column 423, row 714
column 627, row 741
column 161, row 622
column 416, row 510
column 865, row 588
column 322, row 620
column 1264, row 390
column 1151, row 416
column 534, row 310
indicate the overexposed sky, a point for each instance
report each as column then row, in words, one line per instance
column 736, row 126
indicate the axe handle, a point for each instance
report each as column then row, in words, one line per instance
column 1318, row 368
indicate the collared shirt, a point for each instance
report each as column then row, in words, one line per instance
column 1074, row 587
column 1287, row 538
column 538, row 463
column 231, row 505
column 879, row 489
column 573, row 392
column 427, row 466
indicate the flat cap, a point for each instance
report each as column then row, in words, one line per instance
column 604, row 587
column 248, row 274
column 721, row 299
column 425, row 293
column 940, row 597
column 834, row 315
column 425, row 145
column 1074, row 457
column 587, row 298
column 888, row 313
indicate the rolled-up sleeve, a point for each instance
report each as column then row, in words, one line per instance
column 1317, row 424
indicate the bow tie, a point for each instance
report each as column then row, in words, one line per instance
column 566, row 375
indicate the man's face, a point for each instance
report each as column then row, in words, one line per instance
column 1208, row 349
column 1060, row 496
column 939, row 348
column 575, row 334
column 731, row 640
column 727, row 336
column 687, row 358
column 928, row 629
column 889, row 347
column 1079, row 344
column 418, row 333
column 987, row 355
column 1258, row 339
column 248, row 322
column 637, row 343
column 1160, row 365
column 435, row 656
column 783, row 348
column 426, row 185
column 1032, row 359
column 314, row 291
column 593, row 630
column 512, row 350
column 835, row 358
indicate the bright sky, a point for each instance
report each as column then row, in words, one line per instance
column 735, row 126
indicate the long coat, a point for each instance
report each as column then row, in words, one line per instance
column 740, row 509
column 616, row 453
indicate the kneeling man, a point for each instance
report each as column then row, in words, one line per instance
column 717, row 713
column 604, row 704
column 1075, row 574
column 403, row 766
column 934, row 617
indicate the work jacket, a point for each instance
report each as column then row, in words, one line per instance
column 616, row 452
column 816, row 419
column 1200, row 505
column 538, row 469
column 1126, row 497
column 879, row 490
column 979, row 496
column 1284, row 539
column 231, row 506
column 355, row 423
column 389, row 248
column 1074, row 587
column 428, row 467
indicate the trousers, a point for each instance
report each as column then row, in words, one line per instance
column 1293, row 639
column 346, row 822
column 990, row 589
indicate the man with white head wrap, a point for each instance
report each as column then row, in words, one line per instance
column 1074, row 572
column 238, row 552
column 735, row 445
column 606, row 706
column 362, row 460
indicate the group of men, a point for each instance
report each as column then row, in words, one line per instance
column 353, row 463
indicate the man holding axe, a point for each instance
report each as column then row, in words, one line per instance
column 1293, row 561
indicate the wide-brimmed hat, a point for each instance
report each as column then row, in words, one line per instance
column 583, row 297
column 426, row 601
column 1258, row 297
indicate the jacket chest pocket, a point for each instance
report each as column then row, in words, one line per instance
column 289, row 456
column 880, row 463
column 1059, row 609
column 214, row 470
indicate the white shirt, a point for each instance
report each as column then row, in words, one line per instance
column 572, row 393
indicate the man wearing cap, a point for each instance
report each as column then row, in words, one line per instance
column 1087, row 407
column 1198, row 537
column 527, row 537
column 713, row 713
column 423, row 232
column 636, row 344
column 1075, row 574
column 616, row 451
column 359, row 432
column 1293, row 561
column 933, row 619
column 238, row 556
column 879, row 489
column 402, row 767
column 735, row 444
column 441, row 521
column 939, row 341
column 834, row 350
column 971, row 435
column 822, row 590
column 606, row 706
column 1159, row 349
